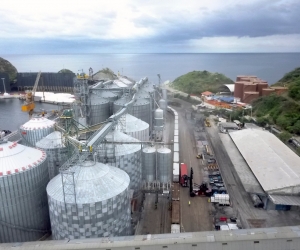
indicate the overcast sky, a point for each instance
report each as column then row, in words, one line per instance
column 149, row 26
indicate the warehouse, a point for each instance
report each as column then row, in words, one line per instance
column 275, row 167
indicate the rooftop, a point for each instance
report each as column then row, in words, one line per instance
column 272, row 162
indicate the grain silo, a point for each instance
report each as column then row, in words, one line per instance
column 163, row 104
column 164, row 165
column 23, row 204
column 126, row 156
column 141, row 109
column 238, row 90
column 119, row 104
column 107, row 95
column 158, row 117
column 56, row 151
column 136, row 128
column 36, row 129
column 102, row 207
column 261, row 86
column 99, row 110
column 149, row 164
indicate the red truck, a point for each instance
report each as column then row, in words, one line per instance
column 183, row 175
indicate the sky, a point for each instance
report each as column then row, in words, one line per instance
column 149, row 26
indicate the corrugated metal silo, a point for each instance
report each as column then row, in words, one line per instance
column 107, row 95
column 102, row 207
column 125, row 156
column 149, row 164
column 36, row 129
column 56, row 151
column 23, row 205
column 119, row 104
column 100, row 110
column 141, row 109
column 136, row 128
column 164, row 165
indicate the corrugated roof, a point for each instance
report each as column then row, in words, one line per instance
column 53, row 140
column 206, row 93
column 37, row 123
column 272, row 162
column 94, row 182
column 285, row 200
column 134, row 124
column 15, row 158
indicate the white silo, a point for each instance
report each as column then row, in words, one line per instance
column 36, row 129
column 56, row 150
column 158, row 118
column 126, row 156
column 135, row 127
column 163, row 104
column 102, row 207
column 23, row 204
column 149, row 164
column 164, row 165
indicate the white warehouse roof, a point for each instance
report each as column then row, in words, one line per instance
column 275, row 166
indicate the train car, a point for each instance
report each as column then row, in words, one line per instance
column 183, row 175
column 175, row 212
column 176, row 172
column 175, row 192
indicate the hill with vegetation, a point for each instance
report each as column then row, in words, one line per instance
column 7, row 67
column 281, row 110
column 196, row 82
column 65, row 71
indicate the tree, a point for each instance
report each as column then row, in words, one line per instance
column 284, row 136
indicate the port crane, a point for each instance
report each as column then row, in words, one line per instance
column 29, row 105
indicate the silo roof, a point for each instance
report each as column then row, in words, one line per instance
column 105, row 94
column 122, row 149
column 149, row 150
column 141, row 102
column 53, row 140
column 142, row 94
column 37, row 123
column 94, row 182
column 96, row 99
column 122, row 100
column 15, row 158
column 135, row 124
column 163, row 150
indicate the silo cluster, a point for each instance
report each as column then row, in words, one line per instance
column 23, row 201
column 107, row 95
column 36, row 129
column 126, row 156
column 56, row 150
column 157, row 164
column 102, row 207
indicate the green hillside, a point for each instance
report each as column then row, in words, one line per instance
column 196, row 82
column 7, row 67
column 283, row 110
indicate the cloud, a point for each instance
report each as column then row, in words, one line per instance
column 145, row 26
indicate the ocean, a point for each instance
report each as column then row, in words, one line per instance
column 267, row 66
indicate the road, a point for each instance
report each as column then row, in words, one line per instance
column 195, row 217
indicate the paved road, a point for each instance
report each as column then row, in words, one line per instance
column 195, row 217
